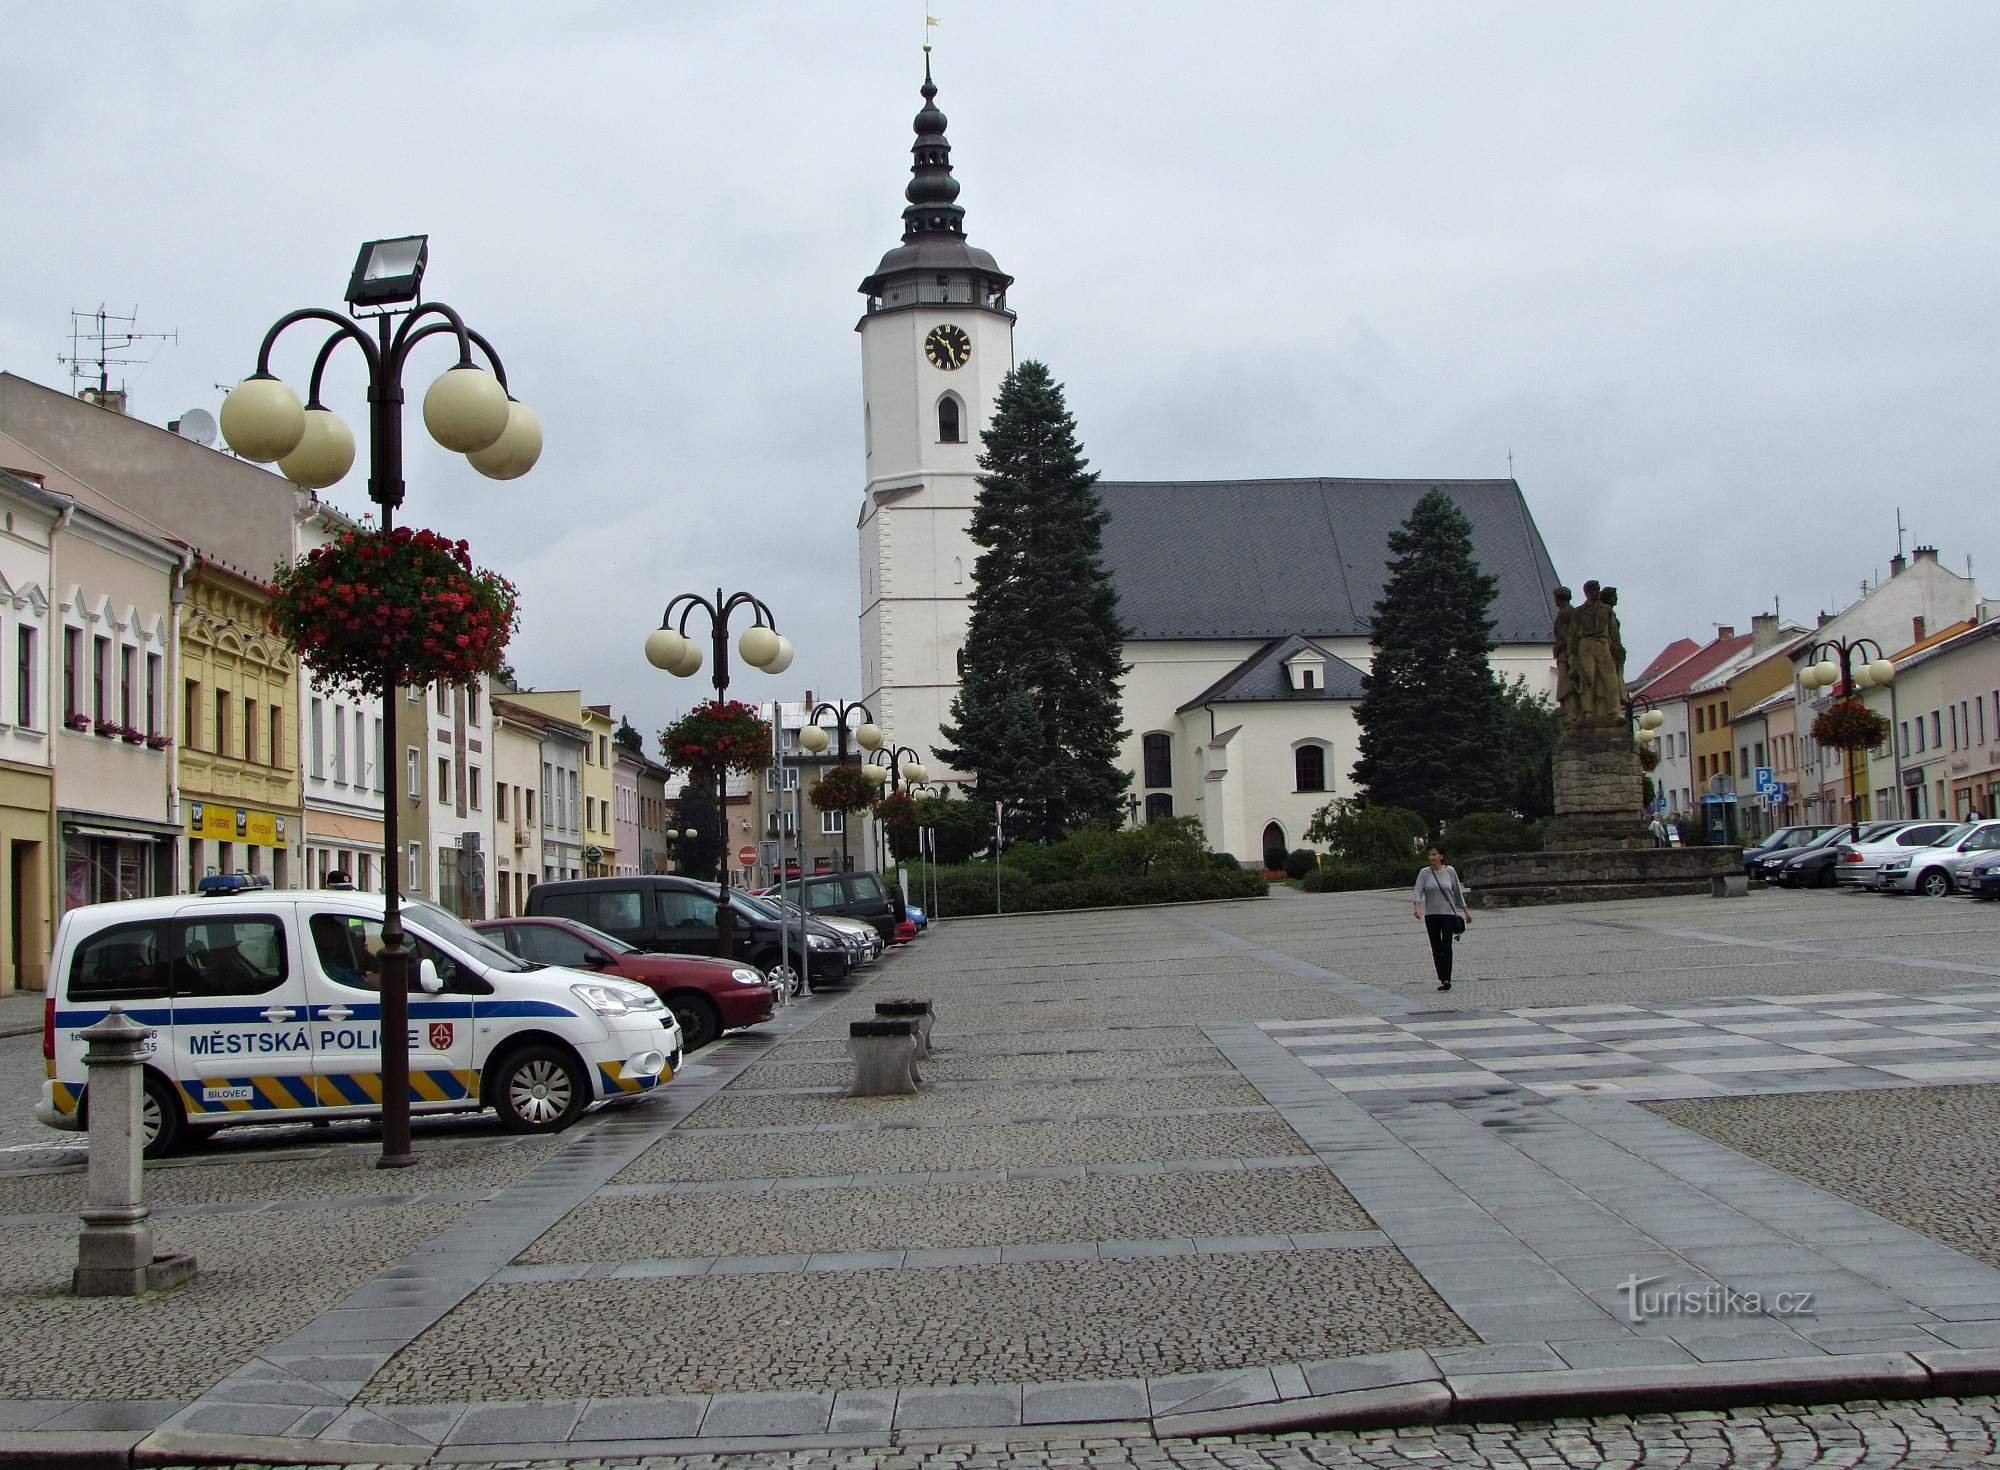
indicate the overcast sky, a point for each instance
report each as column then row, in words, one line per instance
column 1720, row 276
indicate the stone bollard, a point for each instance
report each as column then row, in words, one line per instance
column 885, row 1058
column 910, row 1010
column 114, row 1254
column 1729, row 885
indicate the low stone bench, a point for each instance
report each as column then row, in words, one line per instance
column 885, row 1058
column 1729, row 885
column 910, row 1010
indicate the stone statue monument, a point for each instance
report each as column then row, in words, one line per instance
column 1599, row 846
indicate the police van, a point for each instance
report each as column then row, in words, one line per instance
column 266, row 1008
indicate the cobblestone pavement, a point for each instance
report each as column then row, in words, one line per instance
column 1151, row 1184
column 1899, row 1436
column 1922, row 1156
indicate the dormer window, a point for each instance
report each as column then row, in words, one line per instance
column 1305, row 672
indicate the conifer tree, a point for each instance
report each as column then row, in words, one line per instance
column 1036, row 717
column 1432, row 737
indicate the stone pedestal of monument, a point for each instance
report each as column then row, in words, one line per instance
column 1599, row 848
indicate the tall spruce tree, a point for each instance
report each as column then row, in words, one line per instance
column 1036, row 717
column 1432, row 737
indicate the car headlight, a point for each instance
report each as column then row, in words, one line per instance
column 746, row 977
column 1898, row 865
column 819, row 941
column 606, row 1001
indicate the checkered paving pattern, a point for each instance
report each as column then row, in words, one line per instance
column 1717, row 1048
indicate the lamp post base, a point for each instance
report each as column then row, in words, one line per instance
column 395, row 1161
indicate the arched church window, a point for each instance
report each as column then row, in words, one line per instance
column 958, row 659
column 958, row 571
column 1159, row 753
column 1309, row 764
column 1159, row 806
column 948, row 420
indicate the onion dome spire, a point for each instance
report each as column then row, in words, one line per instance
column 932, row 192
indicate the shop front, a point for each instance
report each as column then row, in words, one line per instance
column 107, row 858
column 225, row 838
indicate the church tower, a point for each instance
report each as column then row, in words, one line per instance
column 936, row 341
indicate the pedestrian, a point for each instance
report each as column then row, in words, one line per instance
column 1659, row 830
column 338, row 879
column 1439, row 901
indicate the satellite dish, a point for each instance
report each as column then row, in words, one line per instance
column 197, row 424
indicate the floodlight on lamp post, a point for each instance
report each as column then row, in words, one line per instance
column 1847, row 666
column 761, row 646
column 469, row 411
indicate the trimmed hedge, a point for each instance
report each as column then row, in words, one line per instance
column 969, row 889
column 1300, row 861
column 1339, row 875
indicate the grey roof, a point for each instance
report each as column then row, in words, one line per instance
column 1261, row 677
column 1271, row 558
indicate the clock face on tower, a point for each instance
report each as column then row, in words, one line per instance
column 948, row 347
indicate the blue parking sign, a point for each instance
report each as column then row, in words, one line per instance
column 1764, row 781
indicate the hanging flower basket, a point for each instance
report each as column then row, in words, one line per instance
column 897, row 809
column 1848, row 724
column 718, row 736
column 1649, row 758
column 372, row 610
column 842, row 789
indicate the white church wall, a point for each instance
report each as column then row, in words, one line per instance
column 902, row 389
column 1164, row 676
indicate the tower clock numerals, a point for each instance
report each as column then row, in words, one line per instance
column 948, row 347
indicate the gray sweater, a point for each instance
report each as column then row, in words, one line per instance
column 1439, row 891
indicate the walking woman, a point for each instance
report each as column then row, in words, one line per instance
column 1439, row 901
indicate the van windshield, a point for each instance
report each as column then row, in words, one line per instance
column 436, row 923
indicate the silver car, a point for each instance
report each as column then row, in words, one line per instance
column 1859, row 862
column 1935, row 870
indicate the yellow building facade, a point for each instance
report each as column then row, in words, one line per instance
column 240, row 795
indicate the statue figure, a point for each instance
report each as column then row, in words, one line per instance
column 1599, row 667
column 1565, row 649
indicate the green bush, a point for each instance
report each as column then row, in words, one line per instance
column 1300, row 861
column 1479, row 832
column 1339, row 875
column 1225, row 861
column 968, row 889
column 1384, row 835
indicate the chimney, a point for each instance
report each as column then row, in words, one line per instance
column 1917, row 629
column 1924, row 553
column 1824, row 619
column 1724, row 630
column 1763, row 631
column 106, row 398
column 1897, row 563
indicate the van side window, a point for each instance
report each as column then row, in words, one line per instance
column 680, row 910
column 234, row 955
column 622, row 911
column 126, row 962
column 348, row 948
column 566, row 906
column 824, row 895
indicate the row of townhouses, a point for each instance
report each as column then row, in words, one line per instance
column 1738, row 717
column 154, row 732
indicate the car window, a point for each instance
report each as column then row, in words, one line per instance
column 231, row 955
column 125, row 962
column 1917, row 836
column 867, row 887
column 1951, row 837
column 621, row 911
column 606, row 941
column 1984, row 840
column 548, row 945
column 682, row 910
column 564, row 906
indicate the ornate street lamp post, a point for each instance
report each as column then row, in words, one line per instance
column 1852, row 664
column 668, row 647
column 892, row 767
column 813, row 740
column 468, row 410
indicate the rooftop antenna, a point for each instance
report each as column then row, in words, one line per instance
column 1899, row 530
column 109, row 334
column 1510, row 464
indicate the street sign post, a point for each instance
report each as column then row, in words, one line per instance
column 1764, row 781
column 746, row 856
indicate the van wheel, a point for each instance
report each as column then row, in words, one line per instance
column 700, row 1022
column 162, row 1124
column 539, row 1089
column 1935, row 884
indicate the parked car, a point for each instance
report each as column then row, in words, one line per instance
column 1812, row 866
column 1935, row 870
column 917, row 916
column 676, row 915
column 1981, row 879
column 707, row 996
column 1786, row 840
column 266, row 1009
column 867, row 941
column 1858, row 863
column 857, row 895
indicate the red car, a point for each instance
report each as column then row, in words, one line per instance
column 707, row 996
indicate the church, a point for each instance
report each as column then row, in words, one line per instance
column 1246, row 602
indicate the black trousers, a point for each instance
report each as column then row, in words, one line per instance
column 1439, row 927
